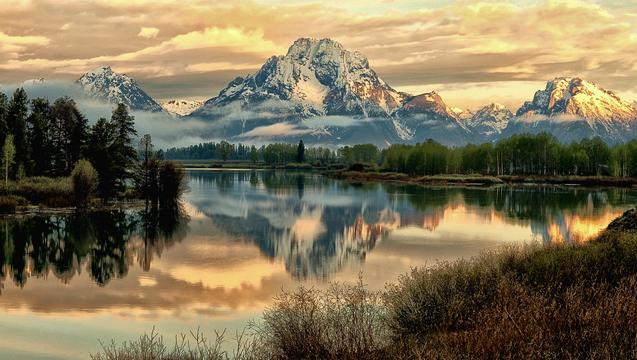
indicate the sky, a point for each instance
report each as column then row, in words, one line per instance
column 471, row 52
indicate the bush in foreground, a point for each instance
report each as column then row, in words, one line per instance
column 84, row 178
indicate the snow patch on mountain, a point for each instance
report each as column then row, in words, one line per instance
column 315, row 78
column 181, row 107
column 490, row 120
column 581, row 99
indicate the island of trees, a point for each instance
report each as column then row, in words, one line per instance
column 52, row 157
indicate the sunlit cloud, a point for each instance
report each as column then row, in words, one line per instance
column 411, row 44
column 148, row 32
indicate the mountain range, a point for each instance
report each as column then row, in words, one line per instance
column 323, row 93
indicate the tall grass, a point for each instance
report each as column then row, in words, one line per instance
column 53, row 192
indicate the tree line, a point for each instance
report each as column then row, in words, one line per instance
column 44, row 139
column 523, row 154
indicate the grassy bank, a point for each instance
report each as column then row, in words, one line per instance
column 461, row 179
column 545, row 302
column 36, row 191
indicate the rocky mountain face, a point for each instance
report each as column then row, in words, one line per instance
column 181, row 107
column 427, row 116
column 314, row 78
column 108, row 86
column 573, row 108
column 329, row 94
column 490, row 120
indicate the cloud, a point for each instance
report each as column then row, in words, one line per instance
column 279, row 129
column 11, row 46
column 148, row 32
column 409, row 44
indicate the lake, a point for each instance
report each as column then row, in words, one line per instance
column 68, row 280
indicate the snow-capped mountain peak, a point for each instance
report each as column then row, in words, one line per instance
column 315, row 77
column 181, row 107
column 106, row 85
column 581, row 99
column 490, row 120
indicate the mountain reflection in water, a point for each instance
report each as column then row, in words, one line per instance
column 317, row 225
column 314, row 225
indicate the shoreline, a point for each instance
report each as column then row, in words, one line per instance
column 481, row 180
column 35, row 210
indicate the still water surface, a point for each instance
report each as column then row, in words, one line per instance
column 68, row 280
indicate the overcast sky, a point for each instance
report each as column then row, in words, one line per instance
column 471, row 52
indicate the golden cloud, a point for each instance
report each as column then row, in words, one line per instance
column 410, row 45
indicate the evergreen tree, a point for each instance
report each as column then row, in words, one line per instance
column 300, row 152
column 38, row 130
column 69, row 135
column 16, row 124
column 147, row 172
column 124, row 151
column 101, row 153
column 4, row 107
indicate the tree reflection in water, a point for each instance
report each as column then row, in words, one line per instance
column 106, row 243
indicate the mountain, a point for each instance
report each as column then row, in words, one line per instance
column 181, row 107
column 108, row 86
column 327, row 94
column 426, row 116
column 314, row 78
column 573, row 108
column 490, row 120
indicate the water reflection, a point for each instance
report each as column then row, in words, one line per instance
column 317, row 226
column 242, row 237
column 105, row 243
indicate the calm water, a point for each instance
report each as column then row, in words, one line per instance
column 68, row 280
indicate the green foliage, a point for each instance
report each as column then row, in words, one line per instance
column 85, row 179
column 4, row 109
column 363, row 153
column 8, row 155
column 172, row 184
column 147, row 172
column 55, row 192
column 16, row 124
column 124, row 153
column 300, row 152
column 9, row 203
column 68, row 136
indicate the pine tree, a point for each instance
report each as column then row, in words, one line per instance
column 101, row 153
column 16, row 124
column 69, row 129
column 4, row 107
column 300, row 152
column 124, row 151
column 38, row 132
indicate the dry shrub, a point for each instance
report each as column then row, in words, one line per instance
column 579, row 322
column 192, row 346
column 342, row 322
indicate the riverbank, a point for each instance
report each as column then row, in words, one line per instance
column 528, row 301
column 480, row 180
